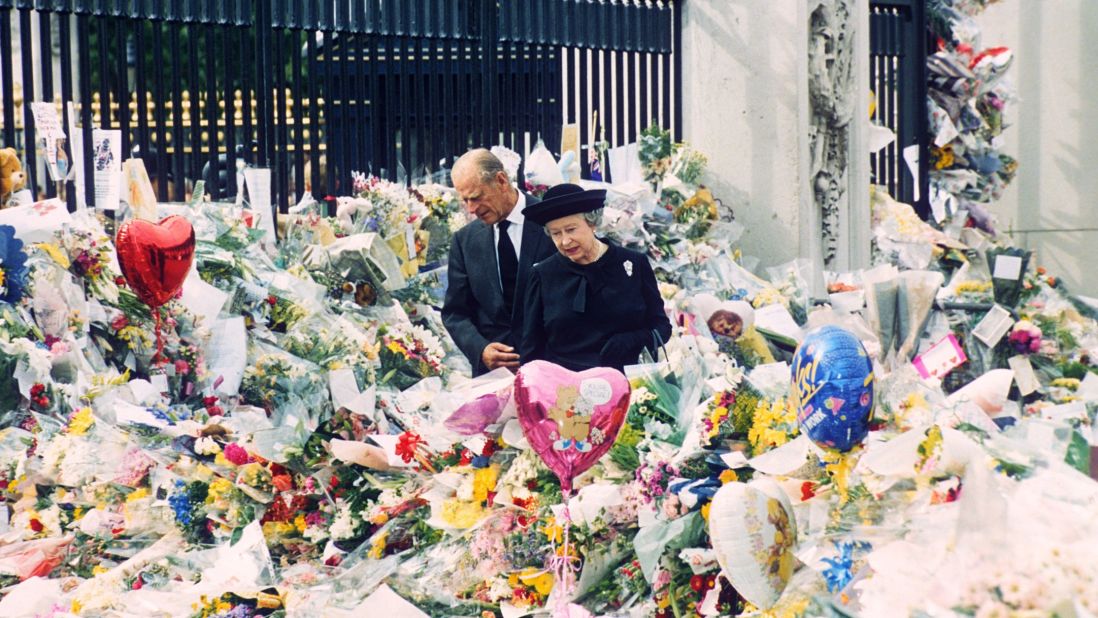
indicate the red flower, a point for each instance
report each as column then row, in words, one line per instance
column 697, row 583
column 407, row 445
column 138, row 583
column 808, row 490
column 36, row 525
column 283, row 482
column 272, row 300
column 236, row 454
column 37, row 390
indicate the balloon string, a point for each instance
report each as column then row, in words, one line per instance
column 563, row 565
column 159, row 356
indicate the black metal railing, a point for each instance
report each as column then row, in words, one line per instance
column 897, row 75
column 318, row 89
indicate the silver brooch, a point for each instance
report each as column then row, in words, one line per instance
column 628, row 268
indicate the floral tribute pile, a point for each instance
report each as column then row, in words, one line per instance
column 304, row 448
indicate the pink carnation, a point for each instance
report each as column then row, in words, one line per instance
column 236, row 454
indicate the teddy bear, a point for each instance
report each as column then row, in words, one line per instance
column 573, row 416
column 12, row 177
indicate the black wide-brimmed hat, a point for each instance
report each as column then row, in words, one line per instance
column 563, row 200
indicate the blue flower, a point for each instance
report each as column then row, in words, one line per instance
column 839, row 574
column 13, row 266
column 181, row 504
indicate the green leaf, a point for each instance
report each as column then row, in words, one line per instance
column 1078, row 453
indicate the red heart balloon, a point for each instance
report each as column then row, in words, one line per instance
column 155, row 257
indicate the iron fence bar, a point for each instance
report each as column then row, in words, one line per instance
column 279, row 152
column 552, row 101
column 64, row 33
column 160, row 120
column 141, row 89
column 179, row 160
column 122, row 83
column 46, row 47
column 390, row 105
column 7, row 79
column 83, row 36
column 28, row 97
column 248, row 86
column 299, row 114
column 228, row 44
column 314, row 117
column 676, row 65
column 404, row 95
column 377, row 134
column 211, row 116
column 195, row 106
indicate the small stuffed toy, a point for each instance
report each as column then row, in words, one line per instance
column 12, row 177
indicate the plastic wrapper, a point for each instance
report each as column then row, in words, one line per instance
column 541, row 168
column 914, row 300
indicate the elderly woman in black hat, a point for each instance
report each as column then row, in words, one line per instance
column 592, row 304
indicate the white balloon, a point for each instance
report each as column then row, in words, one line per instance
column 753, row 532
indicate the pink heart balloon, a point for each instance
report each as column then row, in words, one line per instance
column 570, row 419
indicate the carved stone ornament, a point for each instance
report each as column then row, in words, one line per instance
column 831, row 104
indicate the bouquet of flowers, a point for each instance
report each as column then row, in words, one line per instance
column 407, row 355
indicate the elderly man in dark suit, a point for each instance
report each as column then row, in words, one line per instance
column 490, row 261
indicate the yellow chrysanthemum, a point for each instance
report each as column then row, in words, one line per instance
column 81, row 422
column 553, row 531
column 539, row 580
column 377, row 548
column 461, row 514
column 484, row 481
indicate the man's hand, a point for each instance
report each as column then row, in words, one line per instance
column 496, row 355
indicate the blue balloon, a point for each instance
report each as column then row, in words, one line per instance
column 833, row 388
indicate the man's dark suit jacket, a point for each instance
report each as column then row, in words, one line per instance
column 473, row 311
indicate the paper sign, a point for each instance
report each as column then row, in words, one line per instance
column 138, row 190
column 776, row 318
column 940, row 359
column 258, row 182
column 993, row 326
column 911, row 157
column 47, row 122
column 106, row 168
column 47, row 126
column 1024, row 375
column 227, row 353
column 1008, row 267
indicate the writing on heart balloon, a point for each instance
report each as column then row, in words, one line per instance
column 570, row 419
column 753, row 533
column 833, row 388
column 155, row 257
